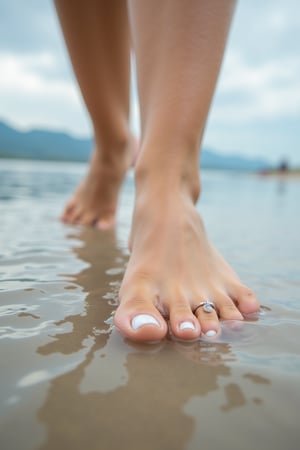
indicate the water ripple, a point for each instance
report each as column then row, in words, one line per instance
column 8, row 310
column 23, row 333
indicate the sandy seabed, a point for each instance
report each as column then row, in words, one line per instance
column 70, row 380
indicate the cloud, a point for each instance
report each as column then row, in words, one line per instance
column 256, row 108
column 22, row 75
column 266, row 30
column 29, row 98
column 37, row 87
column 29, row 26
column 260, row 78
column 258, row 95
column 264, row 91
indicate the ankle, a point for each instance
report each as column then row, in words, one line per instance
column 157, row 174
column 113, row 150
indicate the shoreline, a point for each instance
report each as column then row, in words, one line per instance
column 293, row 173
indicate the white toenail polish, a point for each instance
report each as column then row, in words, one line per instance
column 143, row 319
column 210, row 333
column 186, row 325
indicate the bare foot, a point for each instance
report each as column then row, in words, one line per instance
column 172, row 268
column 95, row 200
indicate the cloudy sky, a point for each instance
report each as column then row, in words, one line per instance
column 256, row 108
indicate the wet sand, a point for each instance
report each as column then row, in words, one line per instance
column 70, row 380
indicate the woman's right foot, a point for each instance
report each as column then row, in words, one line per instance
column 173, row 268
column 95, row 200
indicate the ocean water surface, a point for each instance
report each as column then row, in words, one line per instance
column 70, row 380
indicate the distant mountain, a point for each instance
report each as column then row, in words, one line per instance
column 43, row 145
column 213, row 160
column 57, row 146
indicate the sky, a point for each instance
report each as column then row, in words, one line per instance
column 255, row 110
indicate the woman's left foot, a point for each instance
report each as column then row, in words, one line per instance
column 94, row 202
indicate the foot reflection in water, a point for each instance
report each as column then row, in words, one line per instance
column 123, row 393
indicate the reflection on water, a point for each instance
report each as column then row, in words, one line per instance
column 71, row 380
column 140, row 388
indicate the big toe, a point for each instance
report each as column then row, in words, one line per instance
column 106, row 222
column 140, row 321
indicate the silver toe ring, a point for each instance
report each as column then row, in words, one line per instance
column 207, row 306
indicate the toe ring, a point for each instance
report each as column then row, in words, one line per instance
column 207, row 306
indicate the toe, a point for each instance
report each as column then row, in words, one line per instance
column 209, row 321
column 140, row 320
column 64, row 217
column 184, row 324
column 76, row 217
column 246, row 300
column 73, row 215
column 87, row 219
column 106, row 223
column 227, row 308
column 68, row 210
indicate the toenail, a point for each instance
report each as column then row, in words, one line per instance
column 187, row 325
column 143, row 319
column 210, row 333
column 104, row 225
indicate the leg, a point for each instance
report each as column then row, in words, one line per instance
column 97, row 36
column 173, row 266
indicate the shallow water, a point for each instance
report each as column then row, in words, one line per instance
column 69, row 380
